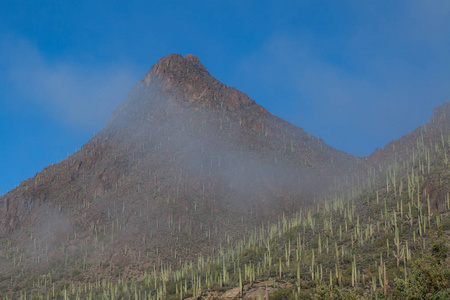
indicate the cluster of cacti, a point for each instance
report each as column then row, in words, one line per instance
column 362, row 237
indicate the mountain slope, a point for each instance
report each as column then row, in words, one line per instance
column 435, row 131
column 379, row 239
column 183, row 167
column 416, row 148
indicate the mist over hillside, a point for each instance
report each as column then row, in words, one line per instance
column 188, row 169
column 185, row 158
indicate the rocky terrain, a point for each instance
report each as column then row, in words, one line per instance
column 184, row 167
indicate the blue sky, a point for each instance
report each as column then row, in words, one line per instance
column 355, row 73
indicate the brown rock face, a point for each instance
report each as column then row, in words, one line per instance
column 190, row 81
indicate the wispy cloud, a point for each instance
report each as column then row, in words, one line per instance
column 73, row 92
column 375, row 81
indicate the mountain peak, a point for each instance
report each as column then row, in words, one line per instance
column 186, row 79
column 176, row 65
column 195, row 61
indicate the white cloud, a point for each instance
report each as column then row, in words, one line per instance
column 74, row 93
